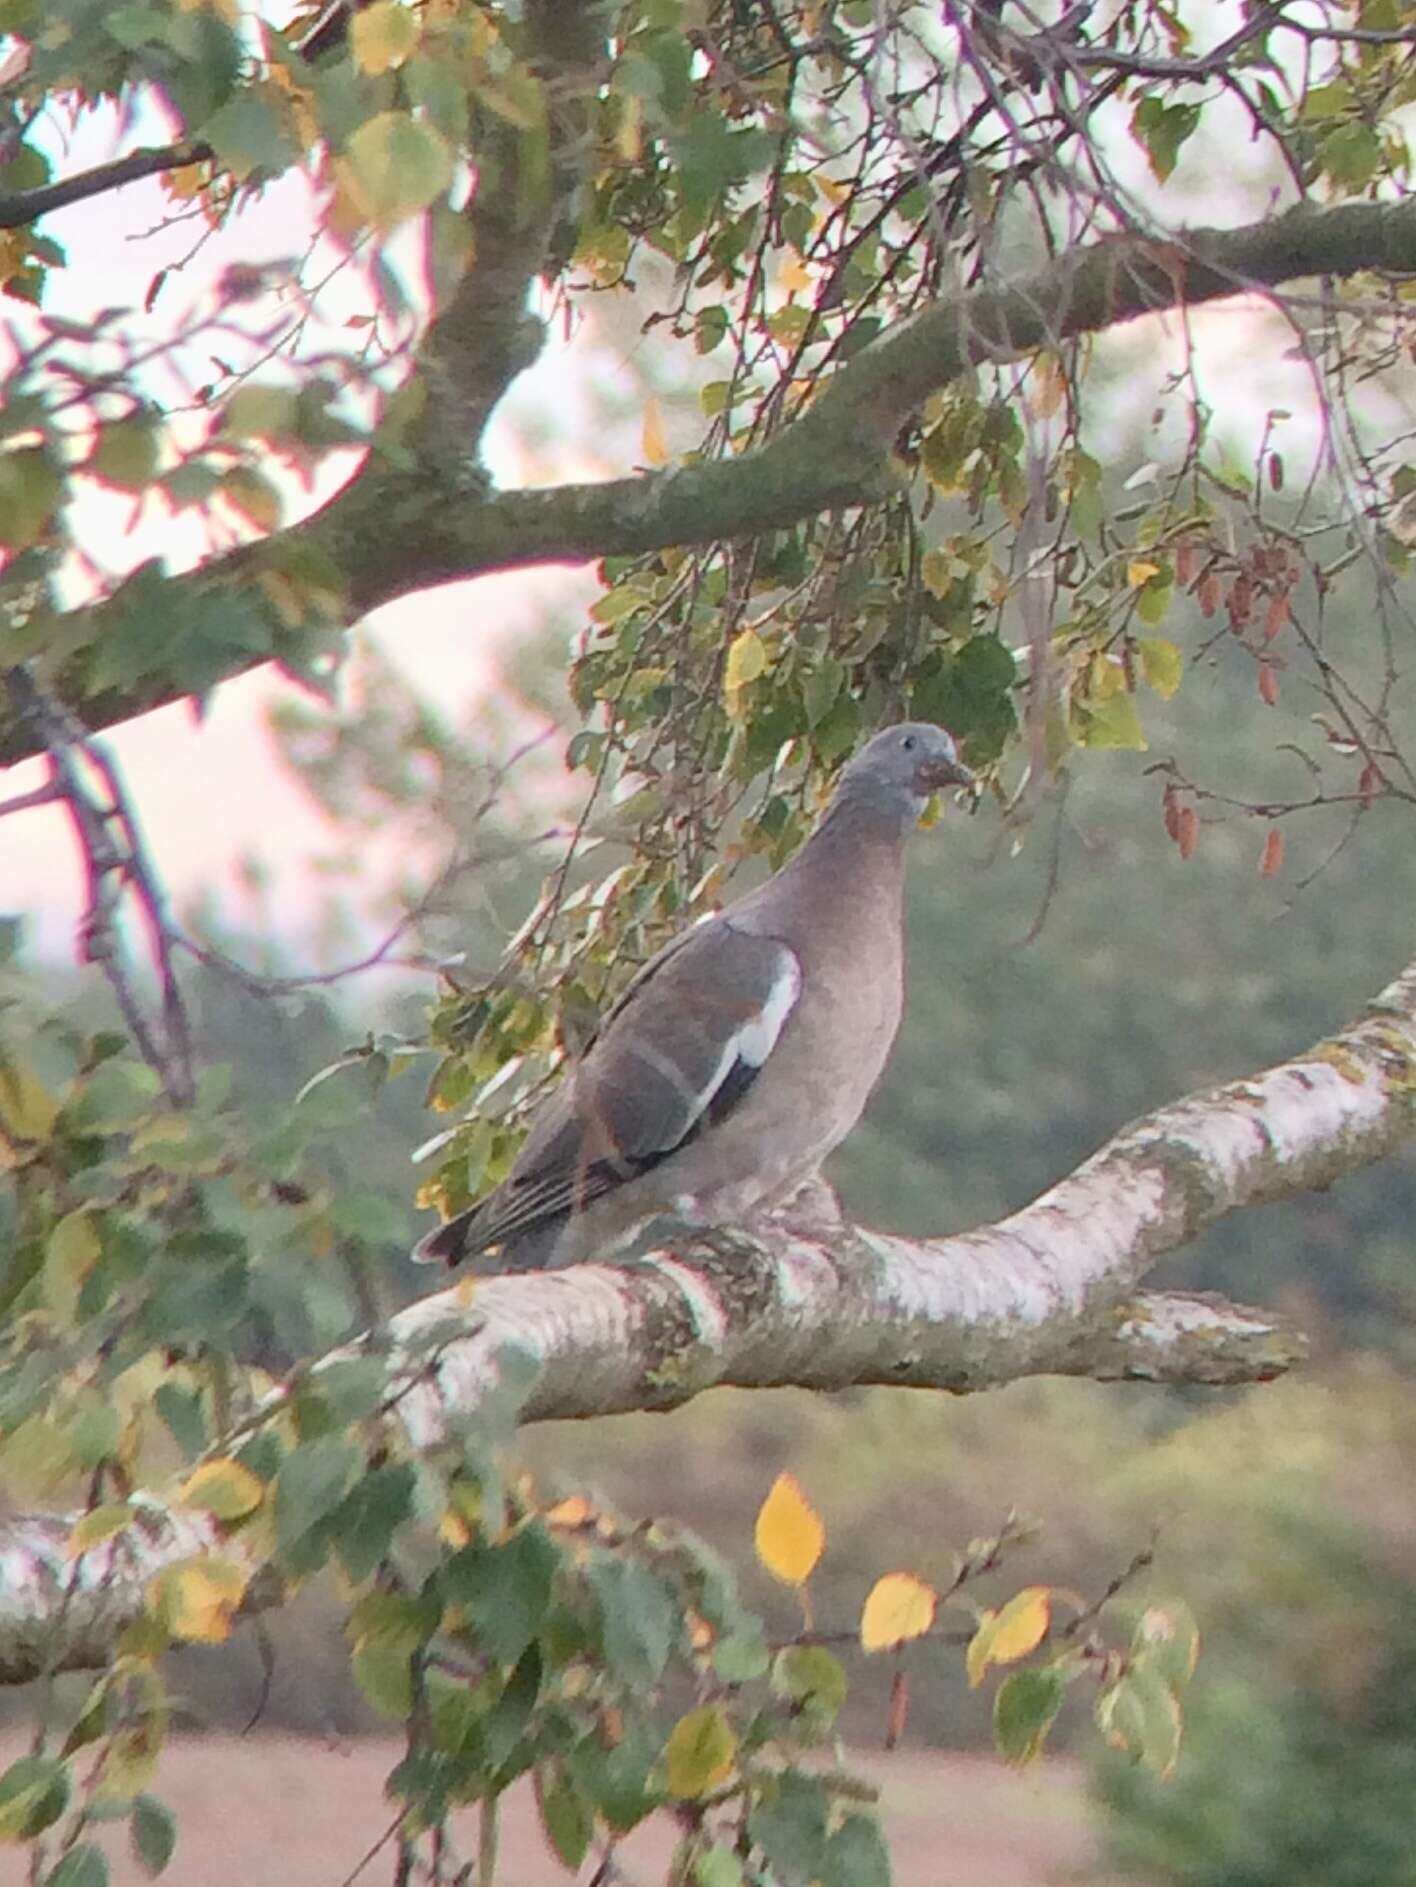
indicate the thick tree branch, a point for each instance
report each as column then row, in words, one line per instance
column 483, row 336
column 393, row 531
column 1050, row 1289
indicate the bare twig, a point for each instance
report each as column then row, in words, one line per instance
column 85, row 780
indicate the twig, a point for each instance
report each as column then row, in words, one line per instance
column 115, row 863
column 375, row 1851
column 46, row 795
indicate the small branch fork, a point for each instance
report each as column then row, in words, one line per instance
column 84, row 780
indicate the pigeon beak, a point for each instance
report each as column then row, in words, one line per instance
column 937, row 774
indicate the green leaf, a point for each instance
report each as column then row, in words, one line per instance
column 399, row 165
column 312, row 1481
column 253, row 132
column 181, row 1409
column 127, row 452
column 114, row 1098
column 71, row 1253
column 370, row 1515
column 971, row 695
column 1024, row 1711
column 1153, row 603
column 1162, row 665
column 506, row 1722
column 1140, row 1715
column 192, row 1298
column 700, row 1754
column 384, row 1675
column 30, row 487
column 142, row 628
column 718, row 1867
column 1161, row 130
column 820, row 687
column 619, row 1780
column 710, row 328
column 713, row 157
column 788, row 1823
column 383, row 35
column 836, row 733
column 856, row 1855
column 352, row 1388
column 1111, row 723
column 83, row 1866
column 372, row 1217
column 34, row 1792
column 566, row 1816
column 154, row 1834
column 741, row 1656
column 810, row 1674
column 256, row 411
column 504, row 1590
column 638, row 1619
column 1351, row 155
column 1168, row 1640
column 436, row 88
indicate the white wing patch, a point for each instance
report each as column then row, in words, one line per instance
column 750, row 1044
column 756, row 1039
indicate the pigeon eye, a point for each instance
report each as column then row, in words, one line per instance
column 909, row 743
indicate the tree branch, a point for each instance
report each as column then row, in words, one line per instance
column 21, row 207
column 1050, row 1289
column 393, row 531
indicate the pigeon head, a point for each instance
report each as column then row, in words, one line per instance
column 902, row 766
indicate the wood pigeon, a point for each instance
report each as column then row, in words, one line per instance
column 741, row 1054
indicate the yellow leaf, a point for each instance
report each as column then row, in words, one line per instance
column 1138, row 571
column 629, row 134
column 453, row 1529
column 187, row 182
column 653, row 445
column 747, row 659
column 129, row 1758
column 225, row 1488
column 96, row 1526
column 899, row 1607
column 36, row 1457
column 383, row 36
column 1105, row 678
column 700, row 1754
column 789, row 1535
column 1162, row 664
column 395, row 165
column 936, row 572
column 793, row 274
column 574, row 1511
column 197, row 1601
column 250, row 493
column 27, row 1108
column 1010, row 1633
column 72, row 1252
column 1048, row 385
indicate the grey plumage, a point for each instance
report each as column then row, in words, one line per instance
column 741, row 1054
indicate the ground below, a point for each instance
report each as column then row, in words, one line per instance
column 293, row 1812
